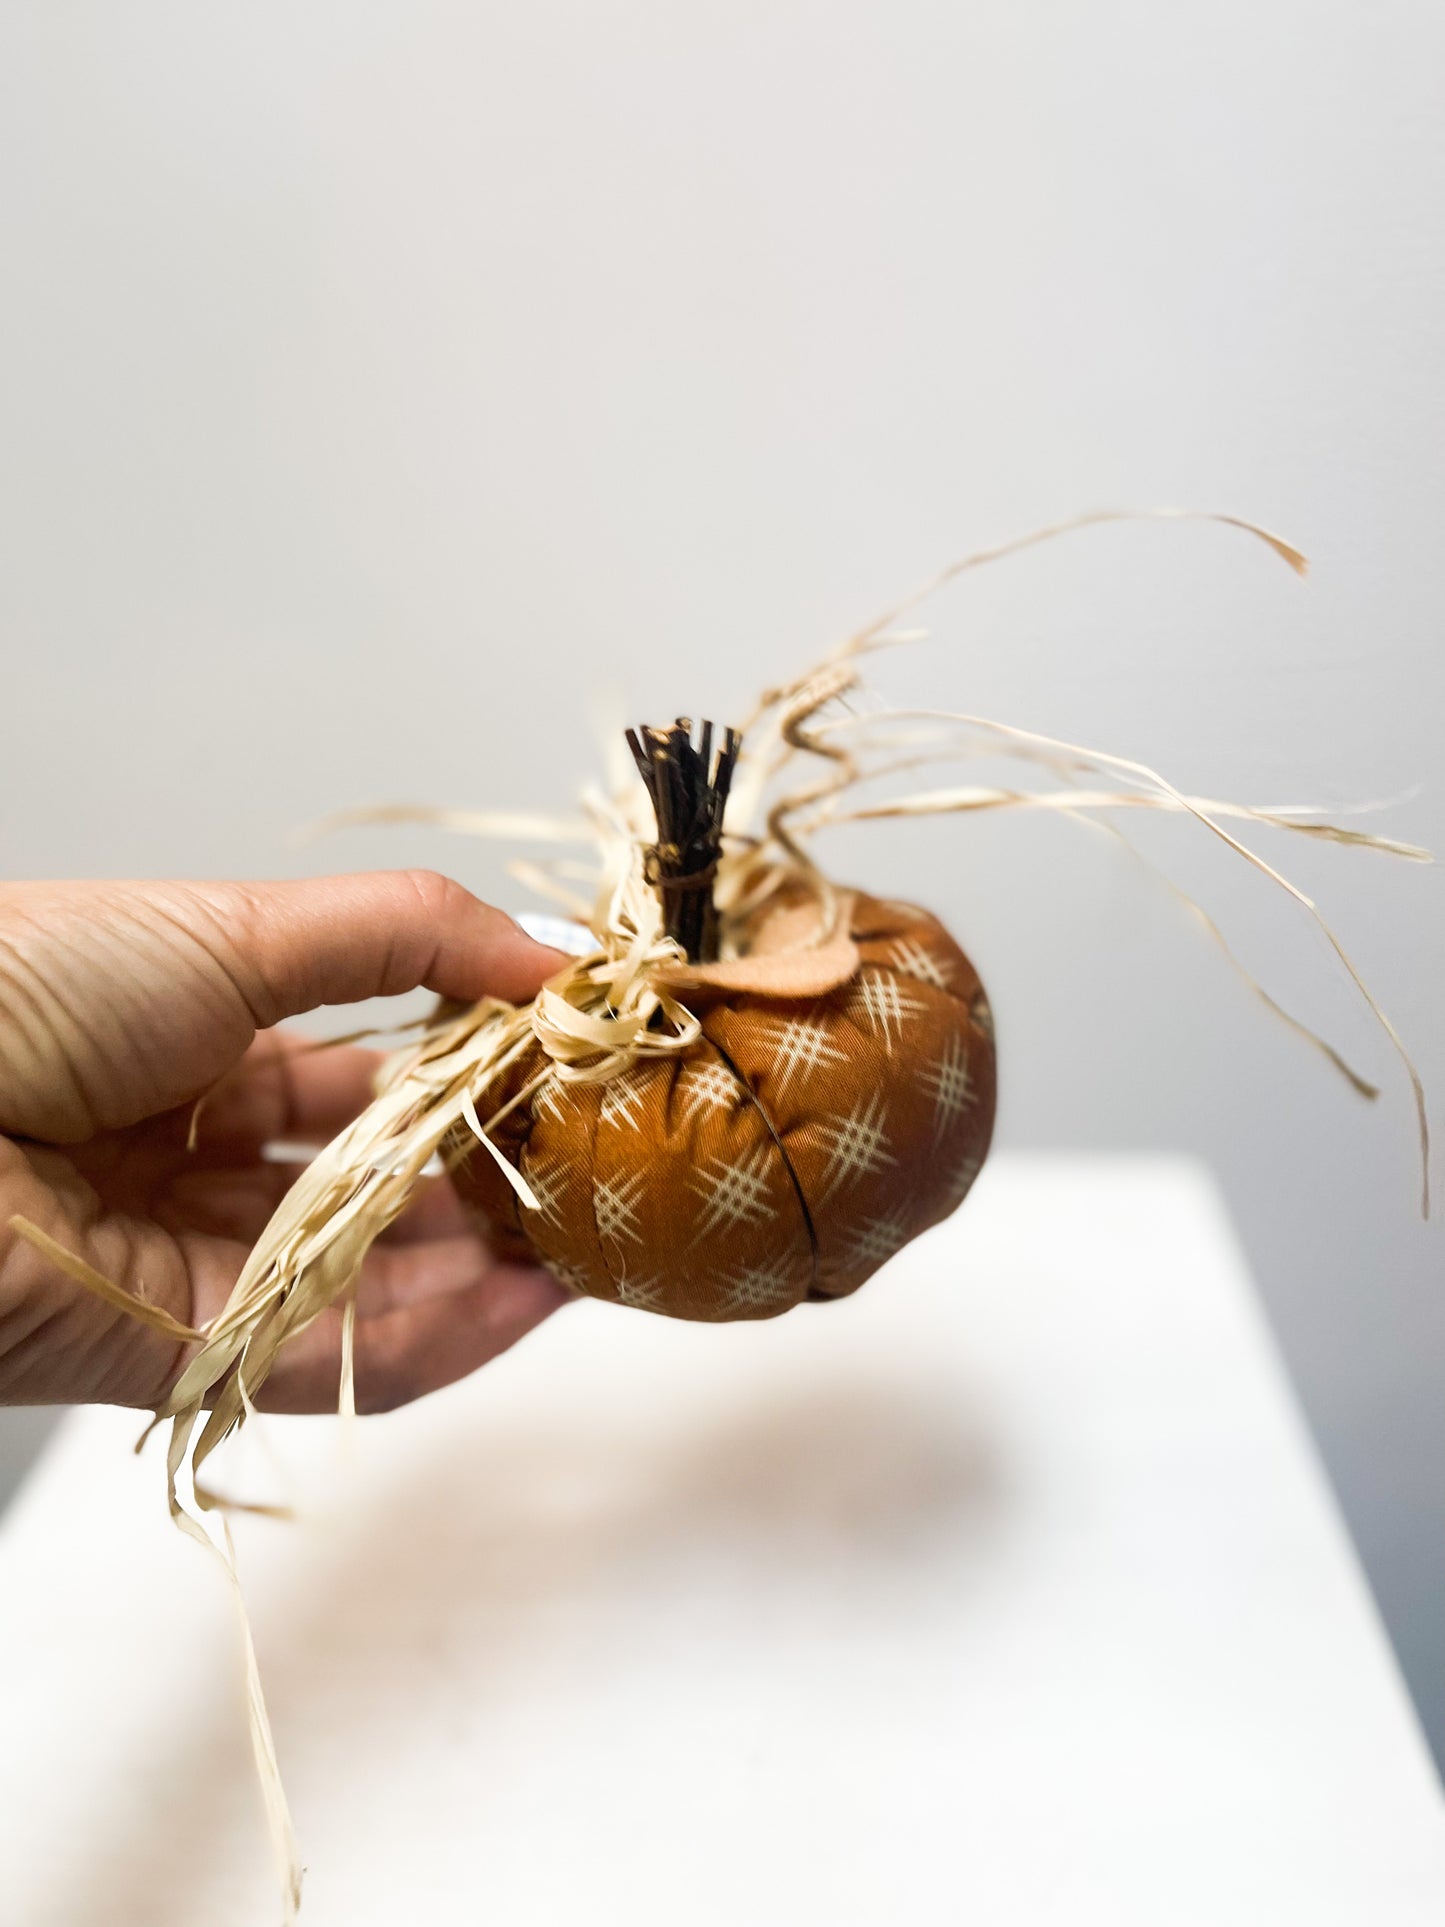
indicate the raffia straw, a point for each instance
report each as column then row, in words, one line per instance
column 80, row 1273
column 509, row 825
column 1102, row 759
column 605, row 1011
column 1082, row 806
column 346, row 1401
column 548, row 884
column 873, row 634
column 1070, row 803
column 1357, row 1082
column 279, row 1824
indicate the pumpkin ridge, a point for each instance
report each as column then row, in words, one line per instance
column 788, row 1166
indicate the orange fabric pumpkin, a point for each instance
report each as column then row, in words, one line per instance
column 786, row 1154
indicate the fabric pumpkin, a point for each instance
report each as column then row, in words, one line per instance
column 787, row 1154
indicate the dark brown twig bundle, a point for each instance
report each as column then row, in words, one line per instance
column 689, row 790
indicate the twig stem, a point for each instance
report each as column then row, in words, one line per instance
column 689, row 787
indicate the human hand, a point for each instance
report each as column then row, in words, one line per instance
column 122, row 1004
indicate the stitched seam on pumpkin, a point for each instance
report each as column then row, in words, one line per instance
column 592, row 1197
column 813, row 1251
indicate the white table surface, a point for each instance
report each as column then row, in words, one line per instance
column 1007, row 1592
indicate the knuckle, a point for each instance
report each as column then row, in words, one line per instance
column 438, row 897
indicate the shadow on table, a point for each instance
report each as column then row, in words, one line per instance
column 469, row 1568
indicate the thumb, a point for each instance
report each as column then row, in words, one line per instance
column 337, row 940
column 120, row 1000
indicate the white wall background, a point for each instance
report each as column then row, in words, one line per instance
column 379, row 381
